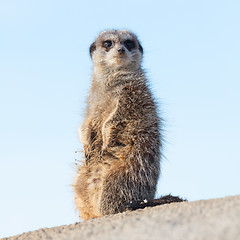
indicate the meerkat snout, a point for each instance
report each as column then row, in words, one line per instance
column 121, row 50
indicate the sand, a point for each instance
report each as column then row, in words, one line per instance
column 206, row 219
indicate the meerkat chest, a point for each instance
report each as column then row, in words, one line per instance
column 101, row 109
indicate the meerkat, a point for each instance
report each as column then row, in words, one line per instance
column 121, row 132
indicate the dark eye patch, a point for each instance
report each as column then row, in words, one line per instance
column 129, row 44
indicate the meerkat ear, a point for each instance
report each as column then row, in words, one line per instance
column 140, row 47
column 92, row 48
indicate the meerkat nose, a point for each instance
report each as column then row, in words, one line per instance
column 121, row 50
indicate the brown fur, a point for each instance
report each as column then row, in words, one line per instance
column 121, row 131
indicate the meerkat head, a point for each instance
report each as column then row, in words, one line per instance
column 115, row 50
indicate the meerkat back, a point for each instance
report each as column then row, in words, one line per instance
column 121, row 130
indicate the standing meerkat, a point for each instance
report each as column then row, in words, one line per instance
column 121, row 131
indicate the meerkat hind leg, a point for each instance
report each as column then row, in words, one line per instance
column 122, row 186
column 88, row 189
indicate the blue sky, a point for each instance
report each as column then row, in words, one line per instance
column 192, row 59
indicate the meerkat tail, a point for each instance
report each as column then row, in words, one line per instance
column 167, row 199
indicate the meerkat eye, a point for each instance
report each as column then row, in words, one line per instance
column 129, row 44
column 107, row 44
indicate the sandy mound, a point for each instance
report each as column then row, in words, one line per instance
column 206, row 219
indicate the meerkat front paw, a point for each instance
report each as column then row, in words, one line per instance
column 84, row 133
